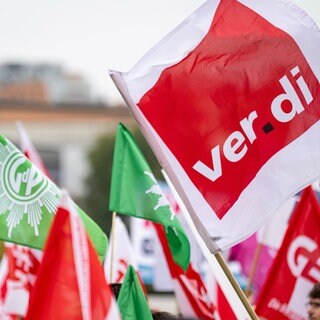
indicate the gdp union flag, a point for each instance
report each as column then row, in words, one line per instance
column 28, row 202
column 229, row 102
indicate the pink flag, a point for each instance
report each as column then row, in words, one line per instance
column 191, row 293
column 229, row 102
column 296, row 267
column 244, row 253
column 70, row 283
column 264, row 244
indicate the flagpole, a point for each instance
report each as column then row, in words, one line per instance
column 253, row 268
column 113, row 231
column 243, row 298
column 238, row 308
column 229, row 285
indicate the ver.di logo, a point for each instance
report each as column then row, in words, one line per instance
column 24, row 190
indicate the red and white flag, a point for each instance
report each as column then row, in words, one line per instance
column 4, row 271
column 215, row 293
column 120, row 254
column 20, row 264
column 29, row 150
column 229, row 102
column 70, row 282
column 18, row 274
column 223, row 305
column 190, row 291
column 296, row 268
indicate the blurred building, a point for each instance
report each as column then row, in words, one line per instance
column 42, row 83
column 63, row 135
column 60, row 116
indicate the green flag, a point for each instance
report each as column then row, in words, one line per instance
column 28, row 202
column 135, row 192
column 132, row 302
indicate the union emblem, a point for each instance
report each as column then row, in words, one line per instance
column 24, row 190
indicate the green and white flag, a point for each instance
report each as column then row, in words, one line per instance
column 28, row 202
column 132, row 302
column 135, row 192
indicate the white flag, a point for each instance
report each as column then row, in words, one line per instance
column 123, row 254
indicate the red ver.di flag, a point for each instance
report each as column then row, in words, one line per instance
column 296, row 267
column 229, row 102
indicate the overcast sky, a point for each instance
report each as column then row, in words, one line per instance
column 92, row 36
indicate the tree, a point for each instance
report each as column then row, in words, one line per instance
column 96, row 200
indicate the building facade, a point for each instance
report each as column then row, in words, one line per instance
column 62, row 135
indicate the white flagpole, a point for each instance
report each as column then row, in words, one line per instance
column 234, row 294
column 113, row 232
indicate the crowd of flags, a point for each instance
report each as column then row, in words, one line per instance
column 232, row 115
column 68, row 271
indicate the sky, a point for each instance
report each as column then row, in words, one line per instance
column 92, row 36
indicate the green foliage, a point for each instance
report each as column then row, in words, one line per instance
column 96, row 200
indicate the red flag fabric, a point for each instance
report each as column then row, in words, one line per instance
column 4, row 272
column 190, row 291
column 70, row 283
column 229, row 102
column 296, row 267
column 19, row 271
column 223, row 306
column 215, row 293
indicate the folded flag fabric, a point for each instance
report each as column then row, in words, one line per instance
column 20, row 267
column 132, row 302
column 120, row 254
column 4, row 273
column 135, row 192
column 191, row 293
column 28, row 202
column 70, row 283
